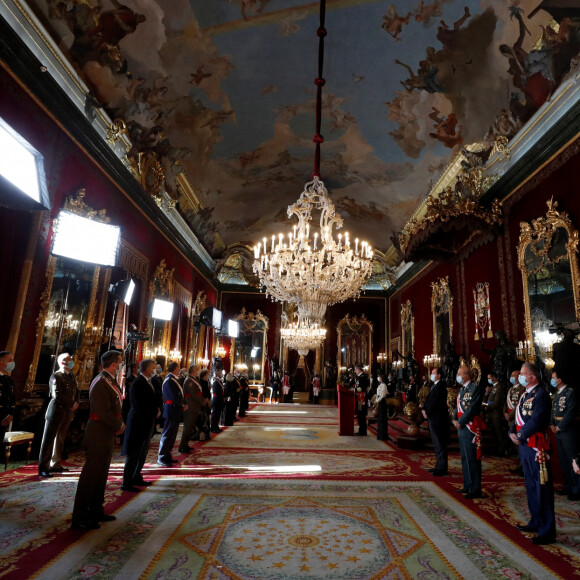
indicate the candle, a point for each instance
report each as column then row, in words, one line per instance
column 273, row 241
column 339, row 240
column 307, row 230
column 315, row 238
column 294, row 231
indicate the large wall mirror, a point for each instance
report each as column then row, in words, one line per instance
column 162, row 288
column 355, row 342
column 547, row 258
column 442, row 309
column 407, row 328
column 72, row 310
column 250, row 347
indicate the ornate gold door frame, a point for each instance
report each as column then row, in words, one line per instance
column 441, row 303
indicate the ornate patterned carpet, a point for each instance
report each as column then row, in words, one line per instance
column 276, row 512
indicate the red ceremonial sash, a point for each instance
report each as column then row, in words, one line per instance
column 115, row 388
column 475, row 426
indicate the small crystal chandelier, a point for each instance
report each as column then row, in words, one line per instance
column 313, row 269
column 303, row 336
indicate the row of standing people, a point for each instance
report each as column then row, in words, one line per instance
column 533, row 414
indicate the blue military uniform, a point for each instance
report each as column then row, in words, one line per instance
column 173, row 402
column 563, row 417
column 469, row 418
column 533, row 415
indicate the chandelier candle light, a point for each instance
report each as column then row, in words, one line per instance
column 313, row 269
column 303, row 336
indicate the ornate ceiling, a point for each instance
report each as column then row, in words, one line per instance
column 223, row 90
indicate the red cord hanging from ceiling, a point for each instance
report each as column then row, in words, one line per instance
column 319, row 82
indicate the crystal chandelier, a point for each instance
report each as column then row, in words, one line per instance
column 303, row 336
column 313, row 271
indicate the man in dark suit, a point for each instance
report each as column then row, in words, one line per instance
column 217, row 402
column 565, row 428
column 6, row 392
column 361, row 386
column 468, row 422
column 143, row 411
column 244, row 393
column 104, row 423
column 64, row 402
column 437, row 414
column 174, row 405
column 529, row 432
column 157, row 382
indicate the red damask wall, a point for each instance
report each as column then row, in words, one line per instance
column 496, row 263
column 68, row 169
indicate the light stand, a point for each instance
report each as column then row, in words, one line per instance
column 63, row 313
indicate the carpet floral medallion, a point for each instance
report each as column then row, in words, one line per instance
column 294, row 437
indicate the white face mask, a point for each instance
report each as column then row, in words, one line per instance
column 523, row 381
column 10, row 366
column 513, row 380
column 490, row 381
column 459, row 379
column 433, row 377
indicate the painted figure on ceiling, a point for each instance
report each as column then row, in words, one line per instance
column 446, row 129
column 393, row 23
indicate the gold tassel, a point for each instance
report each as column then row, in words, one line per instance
column 489, row 333
column 476, row 337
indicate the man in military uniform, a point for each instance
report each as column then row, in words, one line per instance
column 468, row 422
column 217, row 402
column 244, row 393
column 494, row 401
column 64, row 402
column 513, row 396
column 533, row 415
column 104, row 423
column 194, row 399
column 6, row 392
column 361, row 386
column 174, row 405
column 564, row 426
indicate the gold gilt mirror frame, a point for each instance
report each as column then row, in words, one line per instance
column 407, row 328
column 547, row 249
column 162, row 286
column 91, row 332
column 251, row 326
column 355, row 336
column 442, row 309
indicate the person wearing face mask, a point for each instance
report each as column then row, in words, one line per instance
column 65, row 396
column 529, row 433
column 494, row 418
column 6, row 392
column 468, row 422
column 513, row 396
column 105, row 422
column 436, row 412
column 563, row 424
column 140, row 426
column 157, row 382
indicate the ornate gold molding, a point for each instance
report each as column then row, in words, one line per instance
column 450, row 205
column 40, row 322
column 249, row 323
column 78, row 206
column 133, row 261
column 538, row 236
column 441, row 303
column 407, row 324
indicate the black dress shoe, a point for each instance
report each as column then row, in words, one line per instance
column 59, row 469
column 216, row 430
column 462, row 490
column 473, row 495
column 518, row 471
column 184, row 450
column 574, row 497
column 163, row 464
column 430, row 469
column 527, row 528
column 85, row 525
column 543, row 540
column 45, row 474
column 173, row 460
column 130, row 488
column 143, row 483
column 562, row 492
column 107, row 518
column 437, row 472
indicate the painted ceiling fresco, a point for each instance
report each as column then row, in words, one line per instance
column 224, row 89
